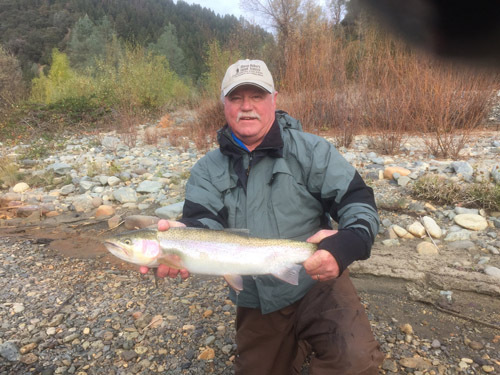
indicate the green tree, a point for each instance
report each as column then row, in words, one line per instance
column 88, row 41
column 56, row 85
column 168, row 46
column 217, row 60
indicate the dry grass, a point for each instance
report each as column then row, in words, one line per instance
column 444, row 191
column 9, row 172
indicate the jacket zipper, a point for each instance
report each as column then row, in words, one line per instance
column 249, row 163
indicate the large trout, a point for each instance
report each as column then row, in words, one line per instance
column 212, row 252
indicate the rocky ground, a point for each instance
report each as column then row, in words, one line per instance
column 69, row 307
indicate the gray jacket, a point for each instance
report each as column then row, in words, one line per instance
column 288, row 187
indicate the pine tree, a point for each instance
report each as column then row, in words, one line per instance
column 168, row 46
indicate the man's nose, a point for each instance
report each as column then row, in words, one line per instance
column 246, row 104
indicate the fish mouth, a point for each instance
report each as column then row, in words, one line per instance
column 115, row 249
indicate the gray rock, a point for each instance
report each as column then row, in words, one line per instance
column 111, row 143
column 147, row 162
column 492, row 271
column 495, row 173
column 493, row 250
column 60, row 169
column 459, row 235
column 113, row 181
column 67, row 189
column 125, row 195
column 83, row 203
column 403, row 181
column 435, row 344
column 464, row 210
column 386, row 222
column 170, row 212
column 459, row 245
column 9, row 351
column 86, row 185
column 463, row 168
column 149, row 187
column 350, row 157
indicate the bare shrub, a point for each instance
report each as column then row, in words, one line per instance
column 450, row 103
column 151, row 135
column 376, row 84
column 210, row 118
column 404, row 91
column 315, row 84
column 126, row 120
column 12, row 87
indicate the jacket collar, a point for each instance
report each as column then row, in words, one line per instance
column 271, row 145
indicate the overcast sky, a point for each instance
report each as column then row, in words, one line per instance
column 221, row 7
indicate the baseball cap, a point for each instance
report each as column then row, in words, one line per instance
column 247, row 72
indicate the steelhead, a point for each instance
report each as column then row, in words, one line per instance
column 212, row 252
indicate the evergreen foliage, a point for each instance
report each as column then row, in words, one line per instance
column 168, row 45
column 88, row 41
column 30, row 29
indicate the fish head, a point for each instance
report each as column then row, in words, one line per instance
column 139, row 247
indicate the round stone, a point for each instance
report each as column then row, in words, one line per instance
column 471, row 221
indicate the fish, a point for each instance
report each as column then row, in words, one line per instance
column 212, row 252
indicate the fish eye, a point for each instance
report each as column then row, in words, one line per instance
column 127, row 242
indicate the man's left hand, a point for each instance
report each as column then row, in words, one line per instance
column 322, row 265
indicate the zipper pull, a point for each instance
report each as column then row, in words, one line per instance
column 249, row 163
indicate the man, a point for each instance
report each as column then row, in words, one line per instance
column 279, row 182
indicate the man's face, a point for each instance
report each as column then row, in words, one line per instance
column 249, row 112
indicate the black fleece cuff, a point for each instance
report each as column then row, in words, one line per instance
column 346, row 246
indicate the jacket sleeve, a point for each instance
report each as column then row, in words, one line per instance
column 348, row 200
column 203, row 206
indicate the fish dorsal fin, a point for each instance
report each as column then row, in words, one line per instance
column 240, row 231
column 289, row 274
column 235, row 282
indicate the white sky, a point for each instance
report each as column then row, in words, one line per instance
column 221, row 7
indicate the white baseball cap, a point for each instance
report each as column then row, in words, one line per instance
column 247, row 72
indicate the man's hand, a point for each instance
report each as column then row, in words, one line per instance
column 322, row 265
column 163, row 270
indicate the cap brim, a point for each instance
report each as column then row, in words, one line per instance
column 228, row 90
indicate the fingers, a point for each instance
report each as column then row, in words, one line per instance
column 164, row 271
column 143, row 269
column 313, row 263
column 321, row 235
column 166, row 224
column 322, row 266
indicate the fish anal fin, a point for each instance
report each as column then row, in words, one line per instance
column 289, row 274
column 235, row 282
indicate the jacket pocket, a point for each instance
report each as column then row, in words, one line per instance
column 297, row 211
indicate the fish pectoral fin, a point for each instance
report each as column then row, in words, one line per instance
column 289, row 274
column 235, row 282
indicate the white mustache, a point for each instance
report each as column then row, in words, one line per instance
column 247, row 114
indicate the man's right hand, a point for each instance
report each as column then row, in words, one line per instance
column 164, row 270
